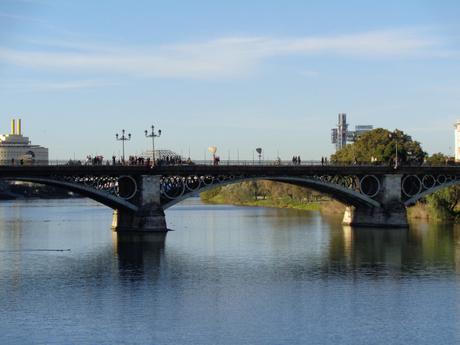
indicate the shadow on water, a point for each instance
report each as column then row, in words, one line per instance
column 139, row 254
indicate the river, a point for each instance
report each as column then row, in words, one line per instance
column 225, row 275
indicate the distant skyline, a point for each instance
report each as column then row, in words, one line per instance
column 237, row 75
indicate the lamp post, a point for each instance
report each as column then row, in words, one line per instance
column 394, row 136
column 123, row 138
column 153, row 136
column 259, row 152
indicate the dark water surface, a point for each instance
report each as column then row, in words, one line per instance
column 226, row 275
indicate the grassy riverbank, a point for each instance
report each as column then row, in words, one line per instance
column 279, row 203
column 421, row 211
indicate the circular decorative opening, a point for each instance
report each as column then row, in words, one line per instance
column 88, row 181
column 428, row 181
column 207, row 180
column 369, row 185
column 411, row 185
column 192, row 183
column 127, row 187
column 441, row 179
column 173, row 187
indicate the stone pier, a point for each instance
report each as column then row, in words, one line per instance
column 392, row 213
column 150, row 216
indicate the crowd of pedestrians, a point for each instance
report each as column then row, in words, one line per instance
column 173, row 160
column 296, row 160
column 96, row 160
column 132, row 161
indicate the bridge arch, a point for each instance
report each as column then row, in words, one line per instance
column 335, row 191
column 102, row 197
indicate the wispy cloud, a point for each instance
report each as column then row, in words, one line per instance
column 44, row 86
column 220, row 58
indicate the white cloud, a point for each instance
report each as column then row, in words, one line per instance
column 220, row 58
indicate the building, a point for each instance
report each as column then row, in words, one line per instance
column 457, row 141
column 340, row 135
column 17, row 149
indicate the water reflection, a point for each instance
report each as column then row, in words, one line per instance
column 419, row 251
column 138, row 254
column 238, row 275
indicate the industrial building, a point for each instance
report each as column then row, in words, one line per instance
column 17, row 149
column 457, row 141
column 340, row 135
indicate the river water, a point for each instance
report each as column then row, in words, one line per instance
column 225, row 275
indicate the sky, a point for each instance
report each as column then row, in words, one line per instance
column 232, row 74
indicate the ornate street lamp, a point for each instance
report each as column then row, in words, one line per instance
column 153, row 136
column 123, row 138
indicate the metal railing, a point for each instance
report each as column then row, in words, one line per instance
column 270, row 163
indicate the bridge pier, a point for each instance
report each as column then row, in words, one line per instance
column 391, row 214
column 375, row 217
column 150, row 216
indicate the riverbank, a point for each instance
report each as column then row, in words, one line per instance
column 418, row 212
column 439, row 207
column 279, row 203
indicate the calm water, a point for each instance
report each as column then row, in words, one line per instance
column 226, row 275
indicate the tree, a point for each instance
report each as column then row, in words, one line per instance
column 438, row 159
column 444, row 202
column 379, row 146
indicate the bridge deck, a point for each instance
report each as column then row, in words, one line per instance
column 185, row 170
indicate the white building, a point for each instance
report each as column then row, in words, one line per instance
column 457, row 141
column 17, row 149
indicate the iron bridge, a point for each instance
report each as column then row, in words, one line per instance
column 119, row 186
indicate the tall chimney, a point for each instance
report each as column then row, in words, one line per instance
column 18, row 132
column 13, row 126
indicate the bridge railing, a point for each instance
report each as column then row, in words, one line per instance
column 271, row 163
column 54, row 162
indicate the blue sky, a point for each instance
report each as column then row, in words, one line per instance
column 234, row 74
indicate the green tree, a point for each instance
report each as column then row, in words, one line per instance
column 438, row 159
column 443, row 203
column 379, row 146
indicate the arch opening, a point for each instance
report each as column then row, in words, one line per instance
column 100, row 196
column 335, row 191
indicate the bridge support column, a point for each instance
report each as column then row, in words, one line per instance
column 150, row 217
column 391, row 214
column 375, row 217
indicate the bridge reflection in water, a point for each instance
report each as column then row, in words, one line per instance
column 422, row 250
